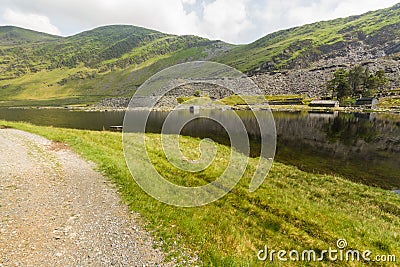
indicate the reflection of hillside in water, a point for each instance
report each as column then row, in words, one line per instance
column 363, row 147
column 208, row 128
column 341, row 134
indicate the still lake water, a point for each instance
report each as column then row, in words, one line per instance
column 361, row 147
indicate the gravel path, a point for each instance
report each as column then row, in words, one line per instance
column 55, row 210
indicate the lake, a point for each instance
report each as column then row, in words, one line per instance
column 363, row 147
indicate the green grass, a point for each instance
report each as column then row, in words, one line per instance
column 292, row 209
column 282, row 97
column 390, row 102
column 194, row 100
column 348, row 101
column 235, row 100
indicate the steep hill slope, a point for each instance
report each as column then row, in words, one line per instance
column 374, row 34
column 107, row 61
column 302, row 59
column 10, row 35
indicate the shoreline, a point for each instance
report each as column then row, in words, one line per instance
column 277, row 108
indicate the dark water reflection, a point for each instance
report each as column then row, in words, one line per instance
column 361, row 147
column 64, row 118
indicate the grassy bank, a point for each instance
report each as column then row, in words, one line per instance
column 291, row 210
column 390, row 103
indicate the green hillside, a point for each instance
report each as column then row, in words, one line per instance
column 10, row 35
column 107, row 61
column 305, row 44
column 42, row 69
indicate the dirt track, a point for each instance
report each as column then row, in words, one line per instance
column 55, row 210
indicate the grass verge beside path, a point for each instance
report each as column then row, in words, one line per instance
column 291, row 210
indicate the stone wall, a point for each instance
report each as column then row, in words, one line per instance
column 115, row 102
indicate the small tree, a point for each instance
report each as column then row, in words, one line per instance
column 339, row 85
column 367, row 73
column 376, row 82
column 356, row 79
column 381, row 80
column 371, row 82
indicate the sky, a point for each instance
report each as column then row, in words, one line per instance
column 233, row 21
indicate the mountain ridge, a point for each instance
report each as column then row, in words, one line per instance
column 113, row 60
column 275, row 51
column 16, row 35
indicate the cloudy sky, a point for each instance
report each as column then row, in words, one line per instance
column 234, row 21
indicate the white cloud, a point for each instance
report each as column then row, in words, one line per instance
column 349, row 7
column 222, row 19
column 30, row 21
column 285, row 14
column 226, row 19
column 189, row 2
column 167, row 16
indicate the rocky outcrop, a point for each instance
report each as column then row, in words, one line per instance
column 308, row 72
column 115, row 102
column 215, row 89
column 312, row 81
